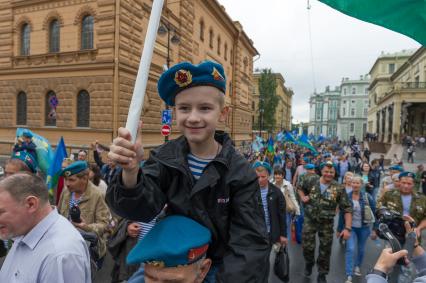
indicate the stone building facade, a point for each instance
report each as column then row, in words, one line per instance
column 352, row 118
column 68, row 67
column 323, row 112
column 398, row 96
column 283, row 111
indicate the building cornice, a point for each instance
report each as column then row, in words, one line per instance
column 419, row 52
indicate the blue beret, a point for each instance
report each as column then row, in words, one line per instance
column 264, row 164
column 396, row 168
column 26, row 133
column 309, row 166
column 27, row 158
column 74, row 168
column 407, row 174
column 186, row 75
column 306, row 159
column 175, row 240
column 328, row 164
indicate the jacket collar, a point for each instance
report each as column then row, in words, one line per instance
column 175, row 152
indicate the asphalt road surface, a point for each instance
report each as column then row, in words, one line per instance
column 297, row 264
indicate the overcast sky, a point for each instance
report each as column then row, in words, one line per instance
column 342, row 46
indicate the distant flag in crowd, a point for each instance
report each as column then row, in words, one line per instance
column 280, row 137
column 289, row 138
column 320, row 138
column 43, row 149
column 271, row 144
column 257, row 144
column 406, row 17
column 304, row 141
column 55, row 167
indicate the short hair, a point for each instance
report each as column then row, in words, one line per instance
column 20, row 164
column 22, row 185
column 358, row 178
column 348, row 173
column 82, row 150
column 279, row 171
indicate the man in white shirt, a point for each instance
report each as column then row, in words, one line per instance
column 46, row 248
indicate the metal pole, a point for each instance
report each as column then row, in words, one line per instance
column 166, row 138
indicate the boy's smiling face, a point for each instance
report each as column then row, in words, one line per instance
column 198, row 112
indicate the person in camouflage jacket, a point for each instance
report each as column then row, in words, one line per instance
column 323, row 197
column 406, row 201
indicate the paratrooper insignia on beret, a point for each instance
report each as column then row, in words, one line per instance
column 183, row 78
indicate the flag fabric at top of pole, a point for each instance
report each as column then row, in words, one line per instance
column 56, row 165
column 138, row 96
column 403, row 16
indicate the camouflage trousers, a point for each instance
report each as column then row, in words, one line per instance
column 325, row 233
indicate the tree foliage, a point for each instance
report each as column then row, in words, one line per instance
column 268, row 99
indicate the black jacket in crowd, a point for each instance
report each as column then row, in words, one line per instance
column 276, row 207
column 226, row 199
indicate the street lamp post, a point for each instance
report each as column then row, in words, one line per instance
column 162, row 30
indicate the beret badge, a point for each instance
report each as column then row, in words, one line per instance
column 183, row 78
column 67, row 173
column 216, row 75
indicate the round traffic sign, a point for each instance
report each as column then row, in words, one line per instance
column 166, row 130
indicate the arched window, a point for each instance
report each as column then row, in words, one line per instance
column 25, row 39
column 21, row 108
column 226, row 51
column 211, row 38
column 50, row 109
column 87, row 32
column 219, row 43
column 54, row 36
column 83, row 109
column 201, row 30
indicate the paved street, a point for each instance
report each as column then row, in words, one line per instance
column 337, row 272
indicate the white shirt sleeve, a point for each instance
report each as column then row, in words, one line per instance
column 65, row 268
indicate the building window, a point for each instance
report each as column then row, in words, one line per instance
column 353, row 101
column 344, row 90
column 353, row 90
column 391, row 68
column 344, row 112
column 366, row 90
column 226, row 52
column 365, row 112
column 21, row 108
column 87, row 32
column 54, row 36
column 344, row 101
column 201, row 30
column 25, row 39
column 211, row 38
column 352, row 112
column 351, row 127
column 50, row 109
column 83, row 109
column 218, row 45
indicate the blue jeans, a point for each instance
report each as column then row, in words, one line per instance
column 138, row 276
column 359, row 235
column 288, row 217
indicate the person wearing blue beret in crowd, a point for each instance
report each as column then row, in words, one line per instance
column 24, row 143
column 321, row 197
column 20, row 161
column 198, row 175
column 175, row 250
column 80, row 194
column 407, row 202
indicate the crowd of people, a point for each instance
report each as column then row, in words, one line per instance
column 198, row 209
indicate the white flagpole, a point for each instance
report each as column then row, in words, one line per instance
column 138, row 96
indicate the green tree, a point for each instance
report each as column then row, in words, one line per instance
column 268, row 99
